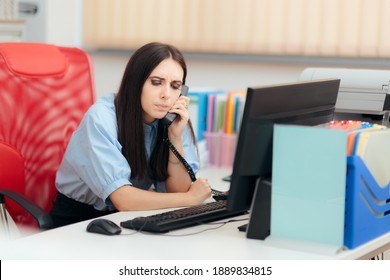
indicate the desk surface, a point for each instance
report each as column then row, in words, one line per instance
column 200, row 242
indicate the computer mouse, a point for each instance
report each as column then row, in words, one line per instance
column 104, row 226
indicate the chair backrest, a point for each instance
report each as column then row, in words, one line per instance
column 45, row 91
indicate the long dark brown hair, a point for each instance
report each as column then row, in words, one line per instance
column 129, row 112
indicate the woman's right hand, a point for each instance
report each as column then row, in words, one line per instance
column 199, row 191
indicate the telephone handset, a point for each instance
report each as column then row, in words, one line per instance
column 167, row 120
column 170, row 117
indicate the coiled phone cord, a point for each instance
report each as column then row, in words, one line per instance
column 182, row 160
column 186, row 165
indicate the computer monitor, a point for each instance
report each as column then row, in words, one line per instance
column 303, row 103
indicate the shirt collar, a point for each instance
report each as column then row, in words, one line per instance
column 149, row 127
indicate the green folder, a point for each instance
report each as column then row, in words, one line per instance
column 308, row 183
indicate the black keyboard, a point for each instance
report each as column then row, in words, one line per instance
column 181, row 218
column 218, row 195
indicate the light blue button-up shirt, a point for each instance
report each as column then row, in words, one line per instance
column 94, row 166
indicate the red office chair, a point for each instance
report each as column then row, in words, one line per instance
column 44, row 92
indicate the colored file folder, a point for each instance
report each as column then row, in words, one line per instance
column 308, row 184
column 198, row 109
column 373, row 149
column 232, row 111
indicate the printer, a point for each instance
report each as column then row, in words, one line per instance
column 362, row 91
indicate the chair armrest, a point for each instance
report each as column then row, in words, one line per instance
column 44, row 220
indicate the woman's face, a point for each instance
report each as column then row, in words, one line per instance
column 161, row 89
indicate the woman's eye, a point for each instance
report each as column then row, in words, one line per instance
column 156, row 82
column 176, row 86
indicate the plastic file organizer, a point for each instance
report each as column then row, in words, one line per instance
column 221, row 148
column 366, row 205
column 321, row 195
column 224, row 112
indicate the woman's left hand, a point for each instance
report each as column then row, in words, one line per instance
column 180, row 108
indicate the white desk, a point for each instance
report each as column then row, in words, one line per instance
column 224, row 243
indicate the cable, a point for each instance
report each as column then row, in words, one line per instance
column 179, row 156
column 186, row 165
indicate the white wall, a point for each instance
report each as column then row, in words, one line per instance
column 56, row 22
column 64, row 22
column 35, row 22
column 202, row 72
column 227, row 72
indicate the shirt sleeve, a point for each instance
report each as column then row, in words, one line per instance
column 95, row 154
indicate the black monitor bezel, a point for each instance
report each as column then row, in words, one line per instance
column 303, row 103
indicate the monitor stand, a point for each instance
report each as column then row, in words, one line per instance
column 259, row 226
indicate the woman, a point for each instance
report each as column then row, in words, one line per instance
column 118, row 152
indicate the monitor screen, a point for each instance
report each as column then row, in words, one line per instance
column 303, row 103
